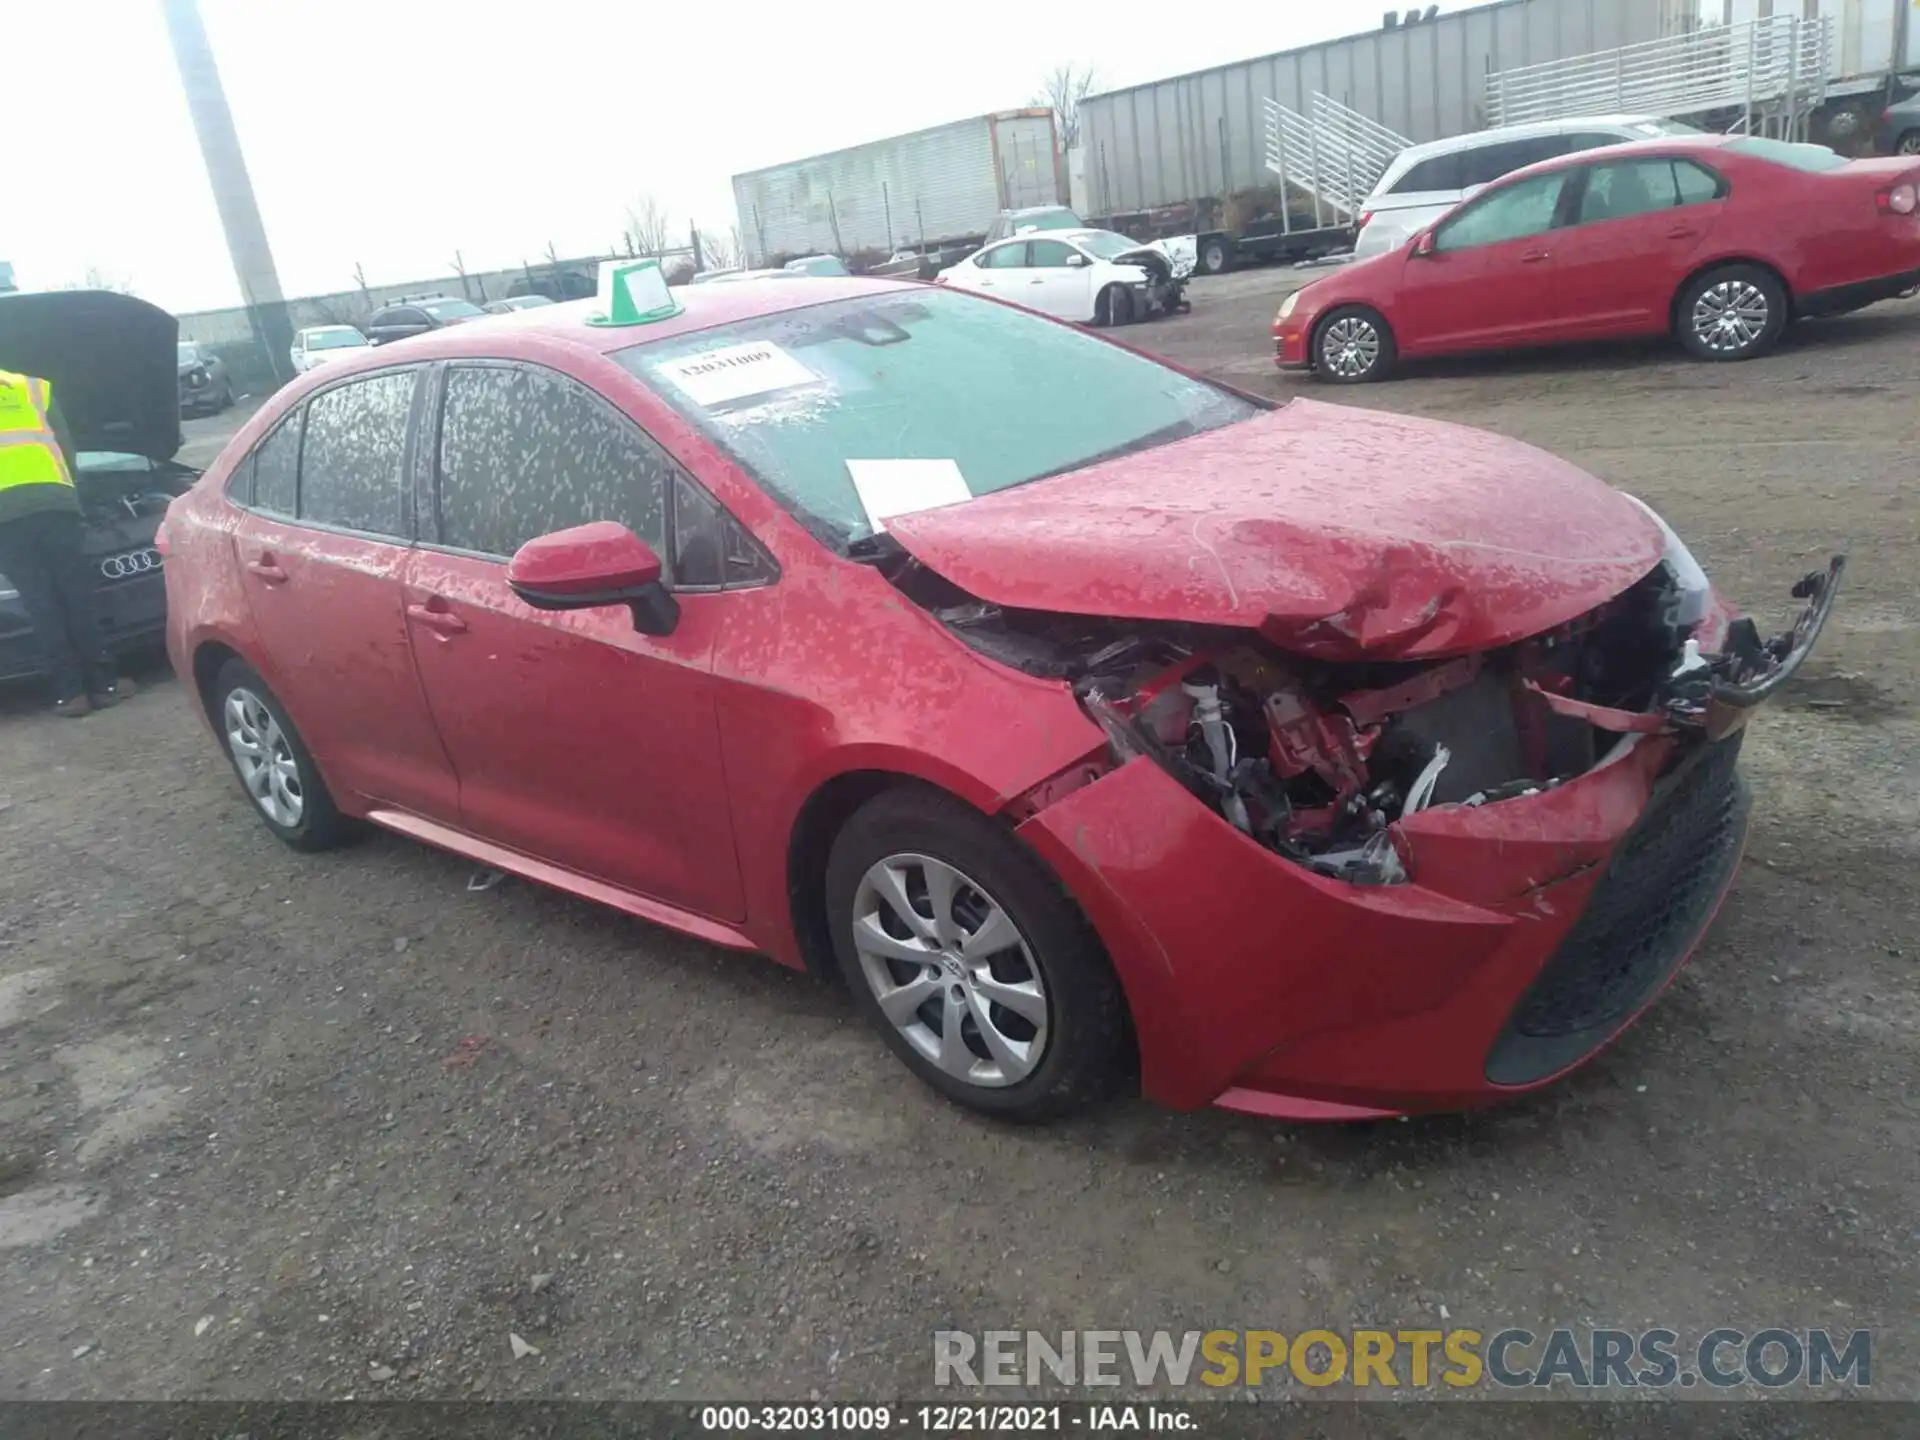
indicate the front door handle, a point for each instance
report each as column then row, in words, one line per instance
column 1534, row 257
column 266, row 569
column 438, row 619
column 1682, row 232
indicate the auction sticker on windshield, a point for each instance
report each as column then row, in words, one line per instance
column 899, row 487
column 736, row 372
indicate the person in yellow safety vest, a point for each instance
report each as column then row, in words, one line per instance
column 40, row 532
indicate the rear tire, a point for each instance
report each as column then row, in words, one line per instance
column 1733, row 313
column 274, row 766
column 1353, row 346
column 1045, row 991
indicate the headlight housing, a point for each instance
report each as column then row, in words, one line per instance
column 1286, row 306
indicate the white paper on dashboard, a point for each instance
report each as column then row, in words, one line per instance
column 899, row 487
column 735, row 372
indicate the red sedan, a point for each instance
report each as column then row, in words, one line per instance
column 1718, row 241
column 1089, row 718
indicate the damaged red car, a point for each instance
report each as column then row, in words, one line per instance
column 1099, row 725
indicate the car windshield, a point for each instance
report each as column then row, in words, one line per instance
column 1104, row 244
column 188, row 354
column 451, row 309
column 528, row 302
column 983, row 396
column 334, row 339
column 1815, row 158
column 1047, row 220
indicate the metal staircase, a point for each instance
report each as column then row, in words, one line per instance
column 1333, row 154
column 1773, row 71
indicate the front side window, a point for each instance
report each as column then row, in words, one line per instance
column 525, row 452
column 983, row 396
column 1049, row 254
column 1514, row 212
column 276, row 469
column 350, row 466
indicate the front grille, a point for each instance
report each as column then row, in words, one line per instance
column 1660, row 889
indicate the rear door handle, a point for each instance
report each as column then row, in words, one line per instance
column 267, row 570
column 437, row 619
column 1682, row 232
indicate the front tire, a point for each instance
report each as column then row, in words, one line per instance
column 275, row 768
column 1114, row 307
column 971, row 960
column 1737, row 312
column 1354, row 346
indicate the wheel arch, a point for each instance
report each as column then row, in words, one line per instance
column 1724, row 262
column 210, row 657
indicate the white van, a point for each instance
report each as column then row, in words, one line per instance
column 1426, row 181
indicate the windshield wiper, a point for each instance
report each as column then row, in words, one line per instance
column 1165, row 435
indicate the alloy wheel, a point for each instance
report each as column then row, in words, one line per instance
column 951, row 970
column 1350, row 347
column 1731, row 316
column 264, row 758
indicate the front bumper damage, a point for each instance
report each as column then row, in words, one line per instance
column 1417, row 941
column 1164, row 290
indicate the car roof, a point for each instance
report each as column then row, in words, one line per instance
column 566, row 323
column 1665, row 145
column 1475, row 139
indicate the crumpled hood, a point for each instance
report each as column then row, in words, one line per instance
column 113, row 362
column 1337, row 532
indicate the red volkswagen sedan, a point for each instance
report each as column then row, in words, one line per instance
column 1718, row 241
column 1092, row 720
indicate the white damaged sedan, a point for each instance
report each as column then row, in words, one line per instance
column 1091, row 277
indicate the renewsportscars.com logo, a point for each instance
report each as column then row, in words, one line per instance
column 1579, row 1359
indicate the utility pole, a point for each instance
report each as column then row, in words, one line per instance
column 232, row 189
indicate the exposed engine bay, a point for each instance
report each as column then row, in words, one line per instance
column 1165, row 290
column 1317, row 760
column 123, row 504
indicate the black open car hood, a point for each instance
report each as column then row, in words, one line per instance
column 112, row 361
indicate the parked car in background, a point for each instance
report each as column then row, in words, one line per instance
column 204, row 387
column 1900, row 128
column 418, row 316
column 1181, row 251
column 106, row 357
column 1175, row 786
column 1719, row 241
column 1092, row 277
column 318, row 344
column 1426, row 181
column 516, row 302
column 817, row 265
column 728, row 277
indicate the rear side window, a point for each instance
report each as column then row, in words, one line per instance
column 350, row 465
column 1442, row 172
column 1640, row 187
column 525, row 452
column 1695, row 184
column 276, row 469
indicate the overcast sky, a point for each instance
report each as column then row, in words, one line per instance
column 395, row 132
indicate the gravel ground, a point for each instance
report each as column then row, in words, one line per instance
column 278, row 1126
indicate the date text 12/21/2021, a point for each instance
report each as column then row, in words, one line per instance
column 944, row 1419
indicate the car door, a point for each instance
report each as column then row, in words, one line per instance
column 1636, row 227
column 578, row 740
column 322, row 548
column 1488, row 279
column 1055, row 283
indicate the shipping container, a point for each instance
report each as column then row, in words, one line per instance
column 1201, row 135
column 929, row 188
column 1868, row 40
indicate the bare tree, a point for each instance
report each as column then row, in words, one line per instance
column 95, row 278
column 1063, row 91
column 647, row 227
column 720, row 251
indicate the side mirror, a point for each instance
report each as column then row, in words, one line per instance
column 1423, row 243
column 591, row 566
column 1076, row 261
